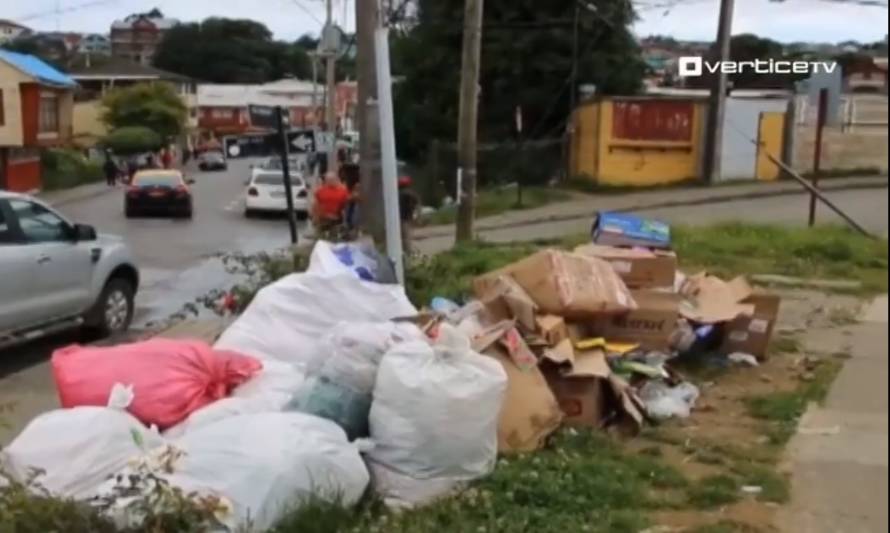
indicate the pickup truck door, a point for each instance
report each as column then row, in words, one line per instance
column 62, row 268
column 17, row 306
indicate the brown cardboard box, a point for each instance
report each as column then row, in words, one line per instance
column 552, row 328
column 710, row 300
column 651, row 324
column 580, row 390
column 639, row 268
column 752, row 334
column 530, row 411
column 565, row 284
column 505, row 299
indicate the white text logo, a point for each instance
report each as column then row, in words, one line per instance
column 696, row 66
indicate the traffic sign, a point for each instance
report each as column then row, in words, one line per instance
column 263, row 116
column 302, row 140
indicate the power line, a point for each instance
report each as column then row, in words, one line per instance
column 307, row 11
column 71, row 9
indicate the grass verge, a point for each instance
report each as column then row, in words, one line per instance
column 63, row 169
column 491, row 202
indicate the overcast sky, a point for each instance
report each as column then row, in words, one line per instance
column 791, row 20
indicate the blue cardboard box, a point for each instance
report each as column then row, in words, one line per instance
column 622, row 229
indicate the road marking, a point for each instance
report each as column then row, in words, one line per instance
column 234, row 205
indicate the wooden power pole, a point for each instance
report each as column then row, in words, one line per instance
column 331, row 84
column 371, row 209
column 717, row 101
column 467, row 133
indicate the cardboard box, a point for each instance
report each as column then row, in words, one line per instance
column 506, row 300
column 710, row 300
column 580, row 388
column 651, row 325
column 552, row 328
column 639, row 268
column 622, row 229
column 752, row 334
column 530, row 412
column 565, row 284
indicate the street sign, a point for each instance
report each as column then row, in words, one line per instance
column 324, row 142
column 263, row 116
column 302, row 141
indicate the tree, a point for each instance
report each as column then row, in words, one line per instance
column 155, row 106
column 526, row 61
column 132, row 140
column 230, row 51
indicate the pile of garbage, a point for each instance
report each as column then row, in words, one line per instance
column 332, row 381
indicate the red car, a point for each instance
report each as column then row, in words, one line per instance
column 159, row 192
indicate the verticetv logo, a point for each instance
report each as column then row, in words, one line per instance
column 691, row 66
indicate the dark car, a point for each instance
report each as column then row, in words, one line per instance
column 212, row 160
column 159, row 192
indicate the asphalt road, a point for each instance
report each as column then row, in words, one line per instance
column 177, row 263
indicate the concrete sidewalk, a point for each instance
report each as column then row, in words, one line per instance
column 839, row 457
column 584, row 205
column 77, row 194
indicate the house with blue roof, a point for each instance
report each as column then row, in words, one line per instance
column 36, row 104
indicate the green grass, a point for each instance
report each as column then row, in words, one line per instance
column 782, row 410
column 714, row 491
column 774, row 486
column 831, row 252
column 491, row 202
column 583, row 482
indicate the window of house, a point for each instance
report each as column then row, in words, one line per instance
column 49, row 113
column 221, row 113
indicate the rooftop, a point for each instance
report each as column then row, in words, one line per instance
column 13, row 24
column 37, row 69
column 234, row 95
column 102, row 68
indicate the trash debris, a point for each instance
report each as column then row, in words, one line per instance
column 663, row 401
column 435, row 411
column 565, row 284
column 77, row 449
column 360, row 259
column 262, row 466
column 623, row 229
column 640, row 268
column 287, row 320
column 740, row 358
column 650, row 325
column 752, row 489
column 171, row 378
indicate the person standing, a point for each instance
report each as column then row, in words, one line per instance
column 409, row 203
column 111, row 170
column 330, row 202
column 167, row 158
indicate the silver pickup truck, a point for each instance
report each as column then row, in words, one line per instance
column 56, row 275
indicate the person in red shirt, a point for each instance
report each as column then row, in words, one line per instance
column 330, row 201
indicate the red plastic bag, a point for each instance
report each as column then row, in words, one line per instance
column 170, row 378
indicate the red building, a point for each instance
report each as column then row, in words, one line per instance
column 36, row 103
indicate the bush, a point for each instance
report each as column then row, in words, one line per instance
column 132, row 140
column 63, row 169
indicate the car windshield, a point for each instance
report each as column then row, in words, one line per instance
column 276, row 179
column 213, row 156
column 153, row 180
column 275, row 163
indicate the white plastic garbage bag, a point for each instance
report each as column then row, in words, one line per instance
column 435, row 411
column 77, row 449
column 359, row 259
column 263, row 466
column 288, row 319
column 663, row 402
column 340, row 385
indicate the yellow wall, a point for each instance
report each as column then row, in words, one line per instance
column 611, row 161
column 11, row 130
column 772, row 131
column 88, row 126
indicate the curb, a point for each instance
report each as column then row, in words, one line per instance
column 716, row 199
column 77, row 198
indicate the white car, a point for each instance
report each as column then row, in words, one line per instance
column 299, row 165
column 266, row 194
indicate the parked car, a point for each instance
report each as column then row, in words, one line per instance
column 159, row 192
column 298, row 165
column 212, row 160
column 266, row 193
column 56, row 275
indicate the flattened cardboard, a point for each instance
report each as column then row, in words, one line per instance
column 752, row 334
column 569, row 285
column 553, row 328
column 651, row 325
column 562, row 355
column 513, row 343
column 710, row 300
column 640, row 268
column 505, row 299
column 530, row 411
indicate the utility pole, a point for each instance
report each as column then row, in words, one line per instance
column 367, row 15
column 467, row 133
column 717, row 101
column 330, row 112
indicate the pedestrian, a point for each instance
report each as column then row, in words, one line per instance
column 111, row 170
column 150, row 161
column 132, row 168
column 167, row 158
column 409, row 203
column 330, row 202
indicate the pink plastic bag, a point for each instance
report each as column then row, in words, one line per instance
column 170, row 378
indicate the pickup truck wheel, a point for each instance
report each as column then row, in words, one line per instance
column 113, row 311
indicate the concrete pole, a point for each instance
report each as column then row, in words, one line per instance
column 331, row 112
column 717, row 101
column 371, row 210
column 467, row 135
